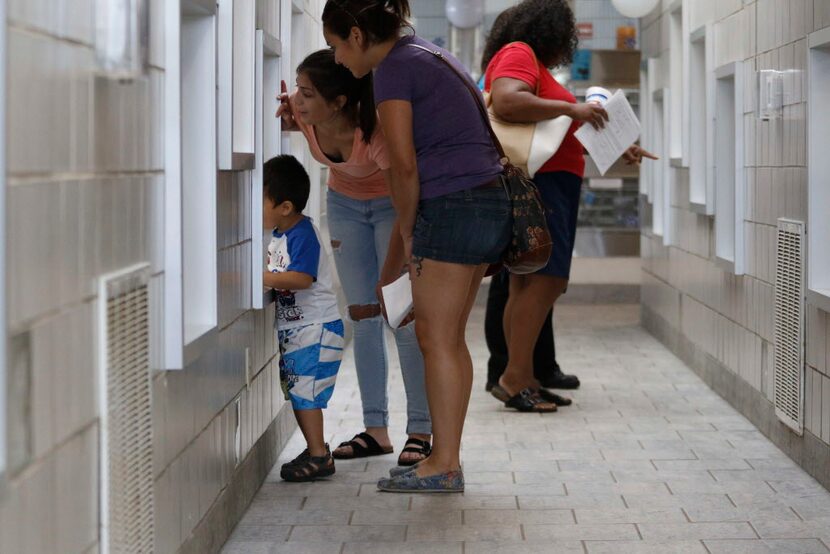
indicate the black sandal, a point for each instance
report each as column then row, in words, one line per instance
column 372, row 448
column 421, row 447
column 554, row 398
column 527, row 400
column 308, row 468
column 301, row 459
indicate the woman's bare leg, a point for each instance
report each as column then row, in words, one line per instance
column 531, row 297
column 441, row 293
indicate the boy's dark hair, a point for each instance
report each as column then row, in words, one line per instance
column 380, row 20
column 332, row 80
column 285, row 179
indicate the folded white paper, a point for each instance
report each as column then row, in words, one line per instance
column 397, row 297
column 609, row 143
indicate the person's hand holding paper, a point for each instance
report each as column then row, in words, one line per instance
column 606, row 145
column 397, row 299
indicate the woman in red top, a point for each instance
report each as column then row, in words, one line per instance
column 541, row 34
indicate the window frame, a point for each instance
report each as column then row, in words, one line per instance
column 177, row 350
column 726, row 219
column 3, row 322
column 200, row 278
column 700, row 132
column 645, row 123
column 818, row 117
column 658, row 174
column 678, row 76
column 665, row 169
column 268, row 143
column 236, row 28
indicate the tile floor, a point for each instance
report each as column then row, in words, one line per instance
column 647, row 460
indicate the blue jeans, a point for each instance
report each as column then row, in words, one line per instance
column 362, row 228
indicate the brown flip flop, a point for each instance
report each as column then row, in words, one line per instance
column 527, row 400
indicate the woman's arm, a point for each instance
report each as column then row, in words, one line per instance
column 635, row 154
column 404, row 187
column 393, row 267
column 287, row 280
column 514, row 101
column 396, row 260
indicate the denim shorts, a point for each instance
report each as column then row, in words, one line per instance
column 469, row 227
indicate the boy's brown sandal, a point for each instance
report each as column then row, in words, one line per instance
column 309, row 468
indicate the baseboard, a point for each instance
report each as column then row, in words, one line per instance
column 600, row 294
column 216, row 527
column 808, row 451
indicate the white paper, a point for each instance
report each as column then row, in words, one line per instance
column 397, row 297
column 609, row 143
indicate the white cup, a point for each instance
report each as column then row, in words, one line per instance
column 597, row 95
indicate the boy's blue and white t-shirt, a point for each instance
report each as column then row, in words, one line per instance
column 299, row 249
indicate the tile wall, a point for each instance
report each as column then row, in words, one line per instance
column 726, row 317
column 85, row 197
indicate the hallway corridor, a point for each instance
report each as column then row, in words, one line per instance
column 648, row 459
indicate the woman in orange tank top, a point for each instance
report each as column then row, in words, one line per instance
column 336, row 113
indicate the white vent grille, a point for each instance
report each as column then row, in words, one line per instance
column 789, row 325
column 126, row 413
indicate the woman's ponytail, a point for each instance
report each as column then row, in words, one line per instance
column 399, row 8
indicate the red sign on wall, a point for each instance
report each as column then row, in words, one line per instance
column 585, row 30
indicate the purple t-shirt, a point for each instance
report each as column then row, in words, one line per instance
column 452, row 144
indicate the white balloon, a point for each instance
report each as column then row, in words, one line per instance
column 635, row 8
column 465, row 14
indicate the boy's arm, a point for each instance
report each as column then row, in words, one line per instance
column 287, row 280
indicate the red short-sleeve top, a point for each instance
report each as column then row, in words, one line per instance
column 517, row 61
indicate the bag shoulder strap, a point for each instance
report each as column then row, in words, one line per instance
column 474, row 92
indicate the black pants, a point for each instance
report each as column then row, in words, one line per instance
column 544, row 353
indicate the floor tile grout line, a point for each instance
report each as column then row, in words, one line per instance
column 637, row 417
column 793, row 510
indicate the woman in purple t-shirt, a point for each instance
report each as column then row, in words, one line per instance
column 453, row 213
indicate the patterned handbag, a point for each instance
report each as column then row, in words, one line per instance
column 531, row 244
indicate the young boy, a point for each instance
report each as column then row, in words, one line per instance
column 309, row 327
